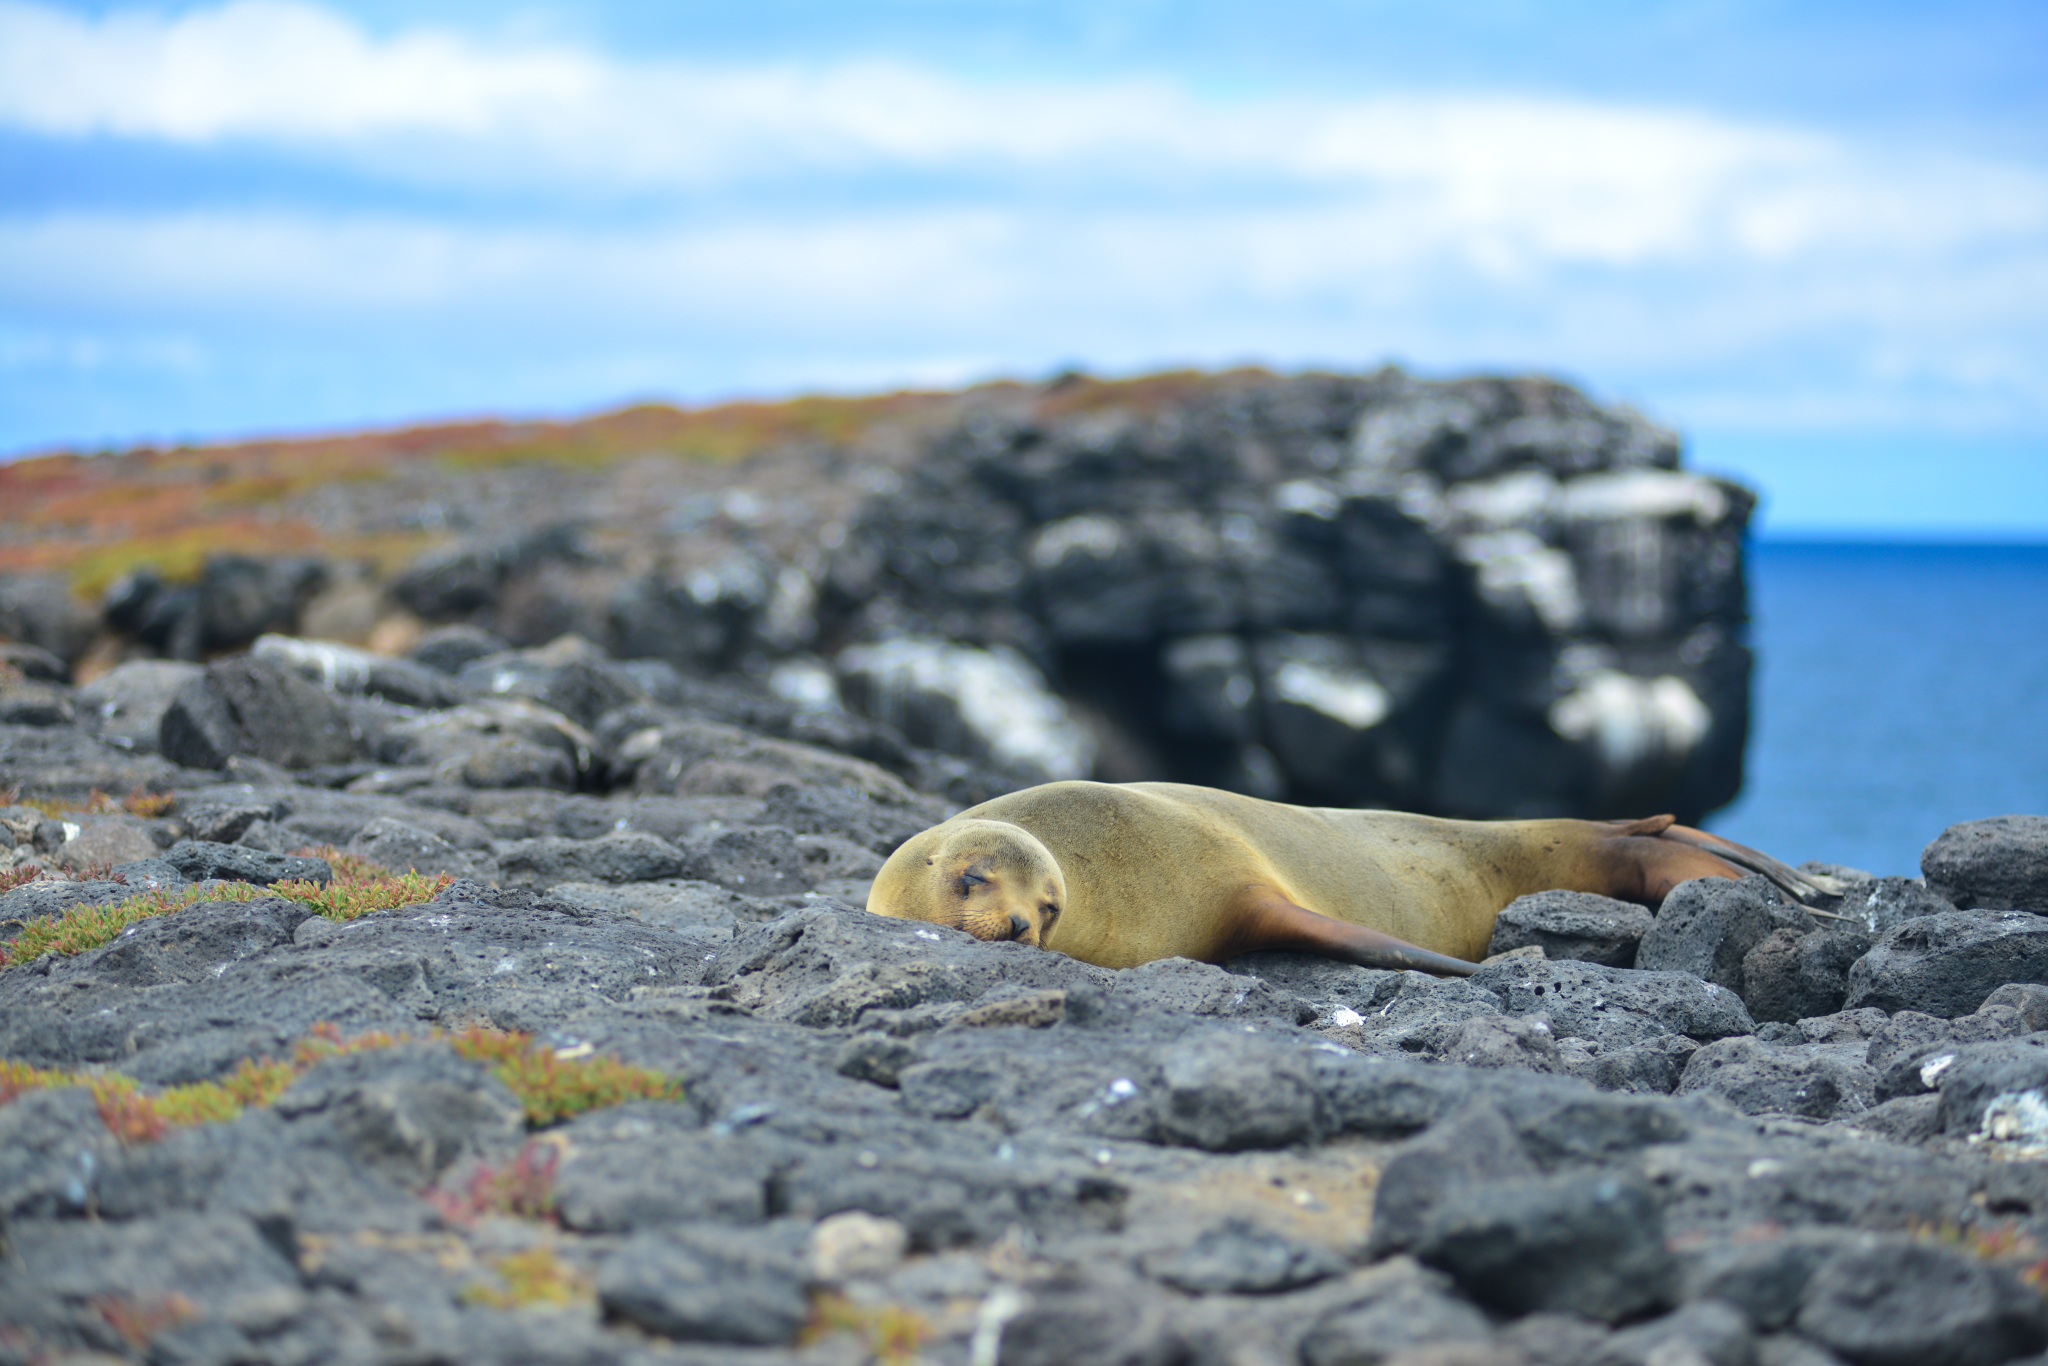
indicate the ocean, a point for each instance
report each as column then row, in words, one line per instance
column 1900, row 688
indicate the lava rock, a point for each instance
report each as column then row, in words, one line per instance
column 406, row 1112
column 407, row 848
column 757, row 860
column 646, row 1167
column 218, row 1260
column 345, row 670
column 715, row 1286
column 1227, row 1092
column 1948, row 964
column 1815, row 1081
column 1396, row 1316
column 105, row 841
column 1615, row 1006
column 1917, row 1304
column 1996, row 1089
column 225, row 823
column 844, row 811
column 1074, row 1320
column 1238, row 1257
column 195, row 944
column 1577, row 925
column 41, row 610
column 446, row 649
column 1997, row 864
column 627, row 856
column 1881, row 904
column 247, row 706
column 1794, row 975
column 1708, row 926
column 582, row 686
column 1705, row 1331
column 198, row 860
column 52, row 1144
column 1478, row 1145
column 27, row 702
column 823, row 967
column 33, row 663
column 1581, row 1243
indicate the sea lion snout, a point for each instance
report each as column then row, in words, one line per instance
column 992, row 879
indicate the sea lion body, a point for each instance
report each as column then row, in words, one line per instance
column 1121, row 874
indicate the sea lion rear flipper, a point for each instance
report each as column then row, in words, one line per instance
column 1269, row 921
column 1803, row 886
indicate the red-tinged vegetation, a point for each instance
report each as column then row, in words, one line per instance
column 550, row 1088
column 523, row 1188
column 140, row 801
column 139, row 1320
column 95, row 517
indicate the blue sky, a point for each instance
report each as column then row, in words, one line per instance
column 1814, row 237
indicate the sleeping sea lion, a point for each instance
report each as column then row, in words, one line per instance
column 1121, row 874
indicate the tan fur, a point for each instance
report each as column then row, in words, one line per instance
column 1143, row 871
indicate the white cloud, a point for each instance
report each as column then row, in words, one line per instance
column 864, row 210
column 265, row 68
column 1513, row 182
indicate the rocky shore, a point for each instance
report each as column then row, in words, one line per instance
column 1735, row 1130
column 1477, row 597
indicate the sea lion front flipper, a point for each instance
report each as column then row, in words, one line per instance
column 1266, row 920
column 1803, row 886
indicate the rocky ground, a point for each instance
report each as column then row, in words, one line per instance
column 1733, row 1131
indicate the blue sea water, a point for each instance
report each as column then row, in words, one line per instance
column 1900, row 688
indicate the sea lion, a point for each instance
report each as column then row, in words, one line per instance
column 1121, row 874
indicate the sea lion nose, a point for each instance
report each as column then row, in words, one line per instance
column 1019, row 927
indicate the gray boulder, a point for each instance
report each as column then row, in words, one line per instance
column 1814, row 1081
column 1948, row 964
column 1477, row 1145
column 125, row 706
column 1396, row 1313
column 1920, row 1304
column 713, row 1284
column 984, row 704
column 197, row 860
column 1615, row 1006
column 33, row 663
column 1238, row 1257
column 627, row 856
column 247, row 706
column 1797, row 975
column 405, row 848
column 1999, row 1090
column 30, row 702
column 1582, row 1243
column 755, row 860
column 41, row 610
column 1708, row 926
column 1577, row 925
column 351, row 672
column 1708, row 1331
column 406, row 1112
column 1997, row 864
column 103, row 841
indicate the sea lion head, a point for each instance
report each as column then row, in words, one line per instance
column 992, row 879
